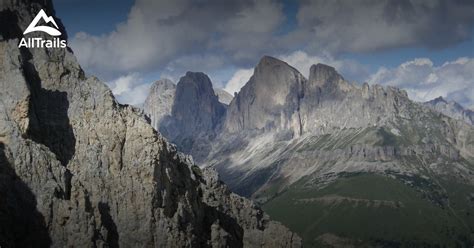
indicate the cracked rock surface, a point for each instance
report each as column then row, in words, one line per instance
column 79, row 169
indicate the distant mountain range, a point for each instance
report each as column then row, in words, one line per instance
column 339, row 163
column 451, row 109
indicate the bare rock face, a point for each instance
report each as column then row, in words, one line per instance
column 159, row 102
column 196, row 115
column 285, row 137
column 451, row 109
column 78, row 169
column 188, row 114
column 331, row 103
column 269, row 101
column 196, row 107
column 281, row 128
column 260, row 230
column 278, row 97
column 321, row 74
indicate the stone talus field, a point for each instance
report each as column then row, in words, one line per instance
column 79, row 169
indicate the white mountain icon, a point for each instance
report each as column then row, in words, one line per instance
column 50, row 30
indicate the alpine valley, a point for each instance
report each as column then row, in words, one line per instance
column 341, row 164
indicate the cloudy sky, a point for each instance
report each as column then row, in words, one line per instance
column 425, row 47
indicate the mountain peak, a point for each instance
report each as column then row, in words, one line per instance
column 197, row 84
column 196, row 77
column 322, row 74
column 196, row 81
column 452, row 109
column 442, row 101
column 269, row 62
column 163, row 83
column 321, row 66
column 196, row 109
column 137, row 190
column 195, row 74
column 159, row 101
column 439, row 99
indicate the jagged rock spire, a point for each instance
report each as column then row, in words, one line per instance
column 269, row 100
column 321, row 74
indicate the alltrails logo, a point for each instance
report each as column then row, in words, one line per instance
column 40, row 42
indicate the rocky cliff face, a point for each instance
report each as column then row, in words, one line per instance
column 79, row 169
column 331, row 103
column 316, row 147
column 279, row 98
column 159, row 102
column 269, row 101
column 451, row 109
column 301, row 146
column 196, row 108
column 196, row 115
column 278, row 108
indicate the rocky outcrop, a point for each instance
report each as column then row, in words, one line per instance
column 286, row 137
column 331, row 103
column 188, row 114
column 281, row 127
column 269, row 101
column 159, row 102
column 451, row 109
column 337, row 120
column 321, row 75
column 79, row 169
column 277, row 98
column 196, row 115
column 260, row 230
column 196, row 107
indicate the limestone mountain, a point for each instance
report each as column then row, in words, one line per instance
column 323, row 155
column 196, row 107
column 78, row 169
column 196, row 114
column 451, row 109
column 159, row 101
column 278, row 97
column 224, row 96
column 269, row 100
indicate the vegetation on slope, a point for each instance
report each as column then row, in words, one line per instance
column 369, row 209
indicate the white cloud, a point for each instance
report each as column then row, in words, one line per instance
column 130, row 89
column 374, row 25
column 249, row 33
column 238, row 80
column 425, row 81
column 214, row 36
column 349, row 69
column 160, row 34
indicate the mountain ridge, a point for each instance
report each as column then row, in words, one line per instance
column 286, row 138
column 451, row 109
column 80, row 169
